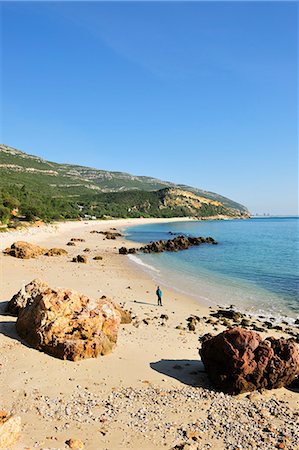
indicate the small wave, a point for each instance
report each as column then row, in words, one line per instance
column 137, row 260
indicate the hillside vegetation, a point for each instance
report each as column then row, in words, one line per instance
column 32, row 188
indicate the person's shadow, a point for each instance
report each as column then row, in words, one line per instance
column 190, row 372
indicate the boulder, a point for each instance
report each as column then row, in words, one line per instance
column 71, row 244
column 123, row 251
column 238, row 360
column 69, row 325
column 25, row 296
column 56, row 252
column 98, row 258
column 77, row 240
column 24, row 250
column 80, row 259
column 10, row 429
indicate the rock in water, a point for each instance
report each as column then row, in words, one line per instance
column 69, row 325
column 238, row 360
column 25, row 296
column 24, row 250
column 10, row 429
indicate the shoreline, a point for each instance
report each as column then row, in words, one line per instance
column 151, row 391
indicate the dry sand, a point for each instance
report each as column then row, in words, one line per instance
column 152, row 391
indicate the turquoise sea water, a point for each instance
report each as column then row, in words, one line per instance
column 255, row 266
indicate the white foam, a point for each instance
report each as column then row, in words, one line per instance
column 137, row 260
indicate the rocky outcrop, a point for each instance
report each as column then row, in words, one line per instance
column 108, row 234
column 228, row 314
column 10, row 430
column 238, row 360
column 80, row 259
column 170, row 245
column 26, row 295
column 24, row 250
column 69, row 325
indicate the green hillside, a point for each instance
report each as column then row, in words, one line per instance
column 31, row 187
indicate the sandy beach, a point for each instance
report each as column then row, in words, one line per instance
column 152, row 392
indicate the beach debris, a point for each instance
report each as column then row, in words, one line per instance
column 238, row 360
column 170, row 245
column 69, row 325
column 56, row 252
column 77, row 240
column 75, row 444
column 80, row 259
column 10, row 429
column 24, row 250
column 26, row 296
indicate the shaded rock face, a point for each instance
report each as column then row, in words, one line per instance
column 125, row 315
column 69, row 325
column 26, row 296
column 24, row 250
column 238, row 360
column 171, row 245
column 10, row 430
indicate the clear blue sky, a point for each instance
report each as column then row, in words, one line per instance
column 197, row 93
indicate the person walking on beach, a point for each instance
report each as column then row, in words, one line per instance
column 159, row 295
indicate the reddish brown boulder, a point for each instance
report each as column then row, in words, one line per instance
column 238, row 360
column 24, row 250
column 69, row 325
column 25, row 296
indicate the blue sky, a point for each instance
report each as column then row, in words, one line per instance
column 198, row 93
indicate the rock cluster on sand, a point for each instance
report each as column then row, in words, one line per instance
column 170, row 245
column 238, row 360
column 56, row 252
column 80, row 259
column 68, row 325
column 24, row 250
column 10, row 429
column 108, row 234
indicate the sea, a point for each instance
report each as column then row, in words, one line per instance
column 254, row 267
